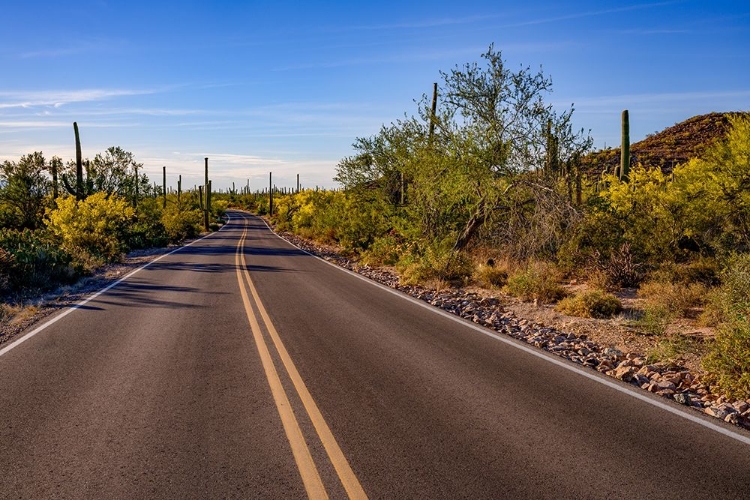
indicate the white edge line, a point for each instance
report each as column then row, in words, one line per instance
column 82, row 303
column 568, row 365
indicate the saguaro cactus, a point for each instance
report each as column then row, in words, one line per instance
column 179, row 192
column 208, row 206
column 625, row 151
column 79, row 164
column 79, row 191
column 433, row 110
column 55, row 166
column 552, row 160
column 164, row 188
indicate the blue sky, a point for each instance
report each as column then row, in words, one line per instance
column 287, row 86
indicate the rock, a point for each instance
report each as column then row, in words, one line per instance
column 665, row 393
column 666, row 385
column 672, row 377
column 606, row 364
column 716, row 412
column 732, row 418
column 611, row 351
column 641, row 379
column 742, row 406
column 682, row 398
column 624, row 373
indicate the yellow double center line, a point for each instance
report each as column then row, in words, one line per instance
column 309, row 472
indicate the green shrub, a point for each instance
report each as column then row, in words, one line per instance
column 219, row 207
column 538, row 281
column 146, row 230
column 591, row 304
column 655, row 319
column 97, row 226
column 435, row 262
column 677, row 299
column 385, row 250
column 733, row 295
column 181, row 224
column 728, row 360
column 32, row 260
column 491, row 276
column 672, row 349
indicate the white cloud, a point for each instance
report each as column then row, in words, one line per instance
column 57, row 98
column 579, row 15
column 594, row 104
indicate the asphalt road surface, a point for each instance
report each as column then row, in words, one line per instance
column 242, row 367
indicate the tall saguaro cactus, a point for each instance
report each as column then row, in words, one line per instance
column 79, row 164
column 55, row 166
column 270, row 194
column 179, row 192
column 208, row 205
column 79, row 191
column 164, row 188
column 433, row 118
column 625, row 151
column 208, row 197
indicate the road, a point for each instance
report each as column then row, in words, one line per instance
column 242, row 367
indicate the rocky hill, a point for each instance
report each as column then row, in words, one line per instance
column 674, row 145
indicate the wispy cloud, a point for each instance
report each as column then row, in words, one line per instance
column 429, row 23
column 55, row 49
column 592, row 13
column 18, row 124
column 645, row 32
column 653, row 98
column 400, row 57
column 58, row 98
column 32, row 124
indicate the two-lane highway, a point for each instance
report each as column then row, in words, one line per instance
column 242, row 367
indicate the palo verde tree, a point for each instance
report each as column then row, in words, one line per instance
column 23, row 188
column 497, row 149
column 113, row 172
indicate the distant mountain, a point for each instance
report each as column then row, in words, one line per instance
column 674, row 145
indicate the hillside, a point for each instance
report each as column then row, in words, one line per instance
column 674, row 145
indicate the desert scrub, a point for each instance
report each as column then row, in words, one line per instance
column 728, row 360
column 385, row 250
column 33, row 260
column 181, row 224
column 733, row 295
column 538, row 281
column 491, row 274
column 672, row 349
column 591, row 304
column 435, row 262
column 97, row 225
column 666, row 301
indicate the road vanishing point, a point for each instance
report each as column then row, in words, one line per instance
column 242, row 367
